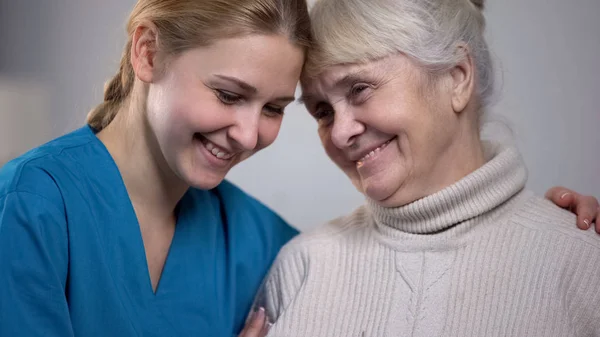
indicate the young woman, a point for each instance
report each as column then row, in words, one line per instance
column 125, row 226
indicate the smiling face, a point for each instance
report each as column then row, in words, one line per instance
column 390, row 127
column 218, row 105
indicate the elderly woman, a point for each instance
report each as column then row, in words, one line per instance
column 449, row 243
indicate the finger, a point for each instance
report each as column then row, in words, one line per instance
column 583, row 206
column 256, row 324
column 586, row 208
column 562, row 197
column 266, row 328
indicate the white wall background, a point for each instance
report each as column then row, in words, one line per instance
column 55, row 55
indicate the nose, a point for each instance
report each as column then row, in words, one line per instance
column 345, row 129
column 244, row 130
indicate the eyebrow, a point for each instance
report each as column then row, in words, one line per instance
column 243, row 85
column 251, row 89
column 345, row 81
column 349, row 79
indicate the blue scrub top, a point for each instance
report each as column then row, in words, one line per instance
column 72, row 259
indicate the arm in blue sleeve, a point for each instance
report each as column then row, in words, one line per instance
column 33, row 267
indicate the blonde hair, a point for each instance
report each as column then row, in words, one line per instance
column 186, row 24
column 427, row 31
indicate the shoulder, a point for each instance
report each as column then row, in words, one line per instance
column 317, row 249
column 252, row 226
column 240, row 205
column 334, row 236
column 231, row 194
column 35, row 172
column 573, row 255
column 544, row 217
column 32, row 208
column 30, row 176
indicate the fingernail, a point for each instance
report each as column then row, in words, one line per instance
column 564, row 195
column 586, row 222
column 261, row 313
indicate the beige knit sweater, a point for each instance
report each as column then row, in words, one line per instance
column 482, row 257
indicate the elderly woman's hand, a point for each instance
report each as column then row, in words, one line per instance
column 585, row 207
column 257, row 326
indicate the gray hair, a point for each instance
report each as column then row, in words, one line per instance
column 427, row 31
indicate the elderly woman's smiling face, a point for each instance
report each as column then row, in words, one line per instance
column 398, row 133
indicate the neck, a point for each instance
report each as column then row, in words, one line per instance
column 153, row 188
column 467, row 202
column 462, row 155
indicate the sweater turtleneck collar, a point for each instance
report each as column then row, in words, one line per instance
column 498, row 180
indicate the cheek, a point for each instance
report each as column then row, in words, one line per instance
column 199, row 113
column 268, row 131
column 412, row 122
column 186, row 107
column 203, row 116
column 427, row 130
column 167, row 107
column 160, row 115
column 332, row 153
column 336, row 155
column 330, row 149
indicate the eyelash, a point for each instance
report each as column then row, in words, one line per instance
column 356, row 90
column 323, row 113
column 274, row 110
column 229, row 98
column 354, row 94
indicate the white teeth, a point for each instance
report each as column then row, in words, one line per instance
column 212, row 148
column 362, row 160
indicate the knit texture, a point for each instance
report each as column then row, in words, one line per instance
column 483, row 257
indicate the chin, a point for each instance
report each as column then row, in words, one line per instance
column 376, row 189
column 378, row 193
column 384, row 191
column 387, row 188
column 204, row 180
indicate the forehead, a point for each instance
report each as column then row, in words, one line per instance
column 341, row 76
column 332, row 75
column 269, row 61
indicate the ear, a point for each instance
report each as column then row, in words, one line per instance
column 463, row 80
column 144, row 52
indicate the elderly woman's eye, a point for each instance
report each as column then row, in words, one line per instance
column 358, row 90
column 323, row 112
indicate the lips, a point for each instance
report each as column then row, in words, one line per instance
column 372, row 154
column 214, row 149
